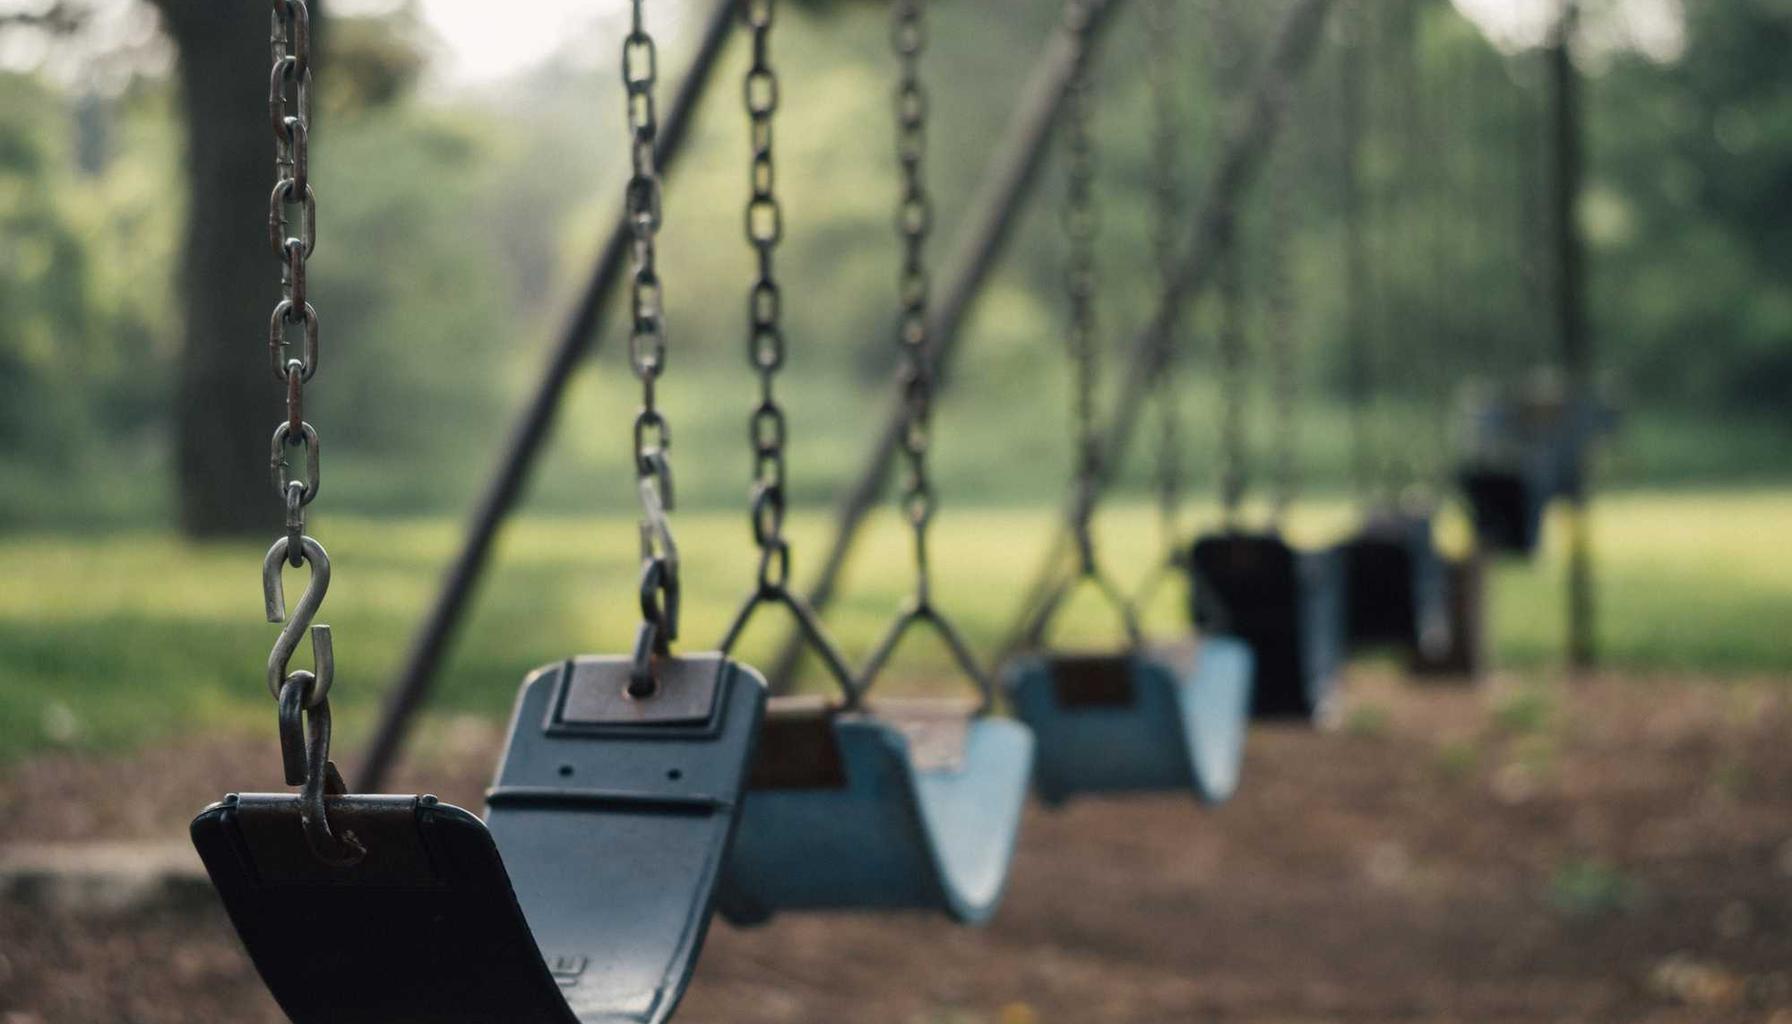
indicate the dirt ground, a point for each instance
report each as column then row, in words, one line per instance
column 1618, row 851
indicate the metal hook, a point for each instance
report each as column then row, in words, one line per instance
column 305, row 748
column 273, row 592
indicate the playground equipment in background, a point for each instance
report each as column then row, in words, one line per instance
column 640, row 792
column 1397, row 585
column 1526, row 447
column 1138, row 717
column 1286, row 603
column 901, row 803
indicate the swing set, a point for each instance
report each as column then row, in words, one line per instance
column 641, row 793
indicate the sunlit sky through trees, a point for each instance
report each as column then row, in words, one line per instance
column 489, row 41
column 482, row 41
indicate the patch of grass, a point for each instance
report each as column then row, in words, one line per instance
column 1458, row 759
column 1731, row 776
column 1370, row 721
column 1687, row 581
column 1592, row 888
column 1525, row 712
column 111, row 640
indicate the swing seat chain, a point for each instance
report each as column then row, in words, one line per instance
column 660, row 589
column 301, row 695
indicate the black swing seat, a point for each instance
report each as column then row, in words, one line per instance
column 914, row 804
column 1506, row 504
column 1153, row 720
column 1287, row 604
column 1396, row 586
column 1525, row 452
column 582, row 899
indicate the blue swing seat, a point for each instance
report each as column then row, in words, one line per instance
column 1171, row 719
column 914, row 805
column 583, row 899
column 1288, row 605
column 1396, row 587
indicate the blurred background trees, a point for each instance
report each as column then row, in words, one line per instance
column 457, row 215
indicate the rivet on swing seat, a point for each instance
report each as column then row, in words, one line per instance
column 1160, row 719
column 914, row 804
column 583, row 898
column 1396, row 591
column 1286, row 604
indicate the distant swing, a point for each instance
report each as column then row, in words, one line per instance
column 899, row 804
column 1286, row 602
column 1139, row 718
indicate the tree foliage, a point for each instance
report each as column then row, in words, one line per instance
column 456, row 223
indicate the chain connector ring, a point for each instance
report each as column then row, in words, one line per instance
column 278, row 463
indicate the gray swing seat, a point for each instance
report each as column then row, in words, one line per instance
column 583, row 898
column 915, row 805
column 1167, row 719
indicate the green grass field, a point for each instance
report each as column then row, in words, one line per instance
column 115, row 640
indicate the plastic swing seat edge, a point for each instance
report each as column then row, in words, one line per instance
column 891, row 835
column 1134, row 723
column 457, row 920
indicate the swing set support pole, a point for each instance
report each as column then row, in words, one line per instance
column 1007, row 182
column 1571, row 323
column 577, row 340
column 1241, row 160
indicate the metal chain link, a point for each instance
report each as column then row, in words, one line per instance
column 767, row 429
column 1354, row 201
column 302, row 696
column 914, row 219
column 1234, row 352
column 289, row 114
column 1080, row 227
column 1381, row 253
column 659, row 588
column 1404, row 446
column 1284, row 341
column 1159, row 23
column 1081, row 224
column 1233, row 355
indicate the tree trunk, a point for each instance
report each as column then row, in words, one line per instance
column 226, row 400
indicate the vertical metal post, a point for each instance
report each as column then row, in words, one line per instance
column 578, row 339
column 1571, row 322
